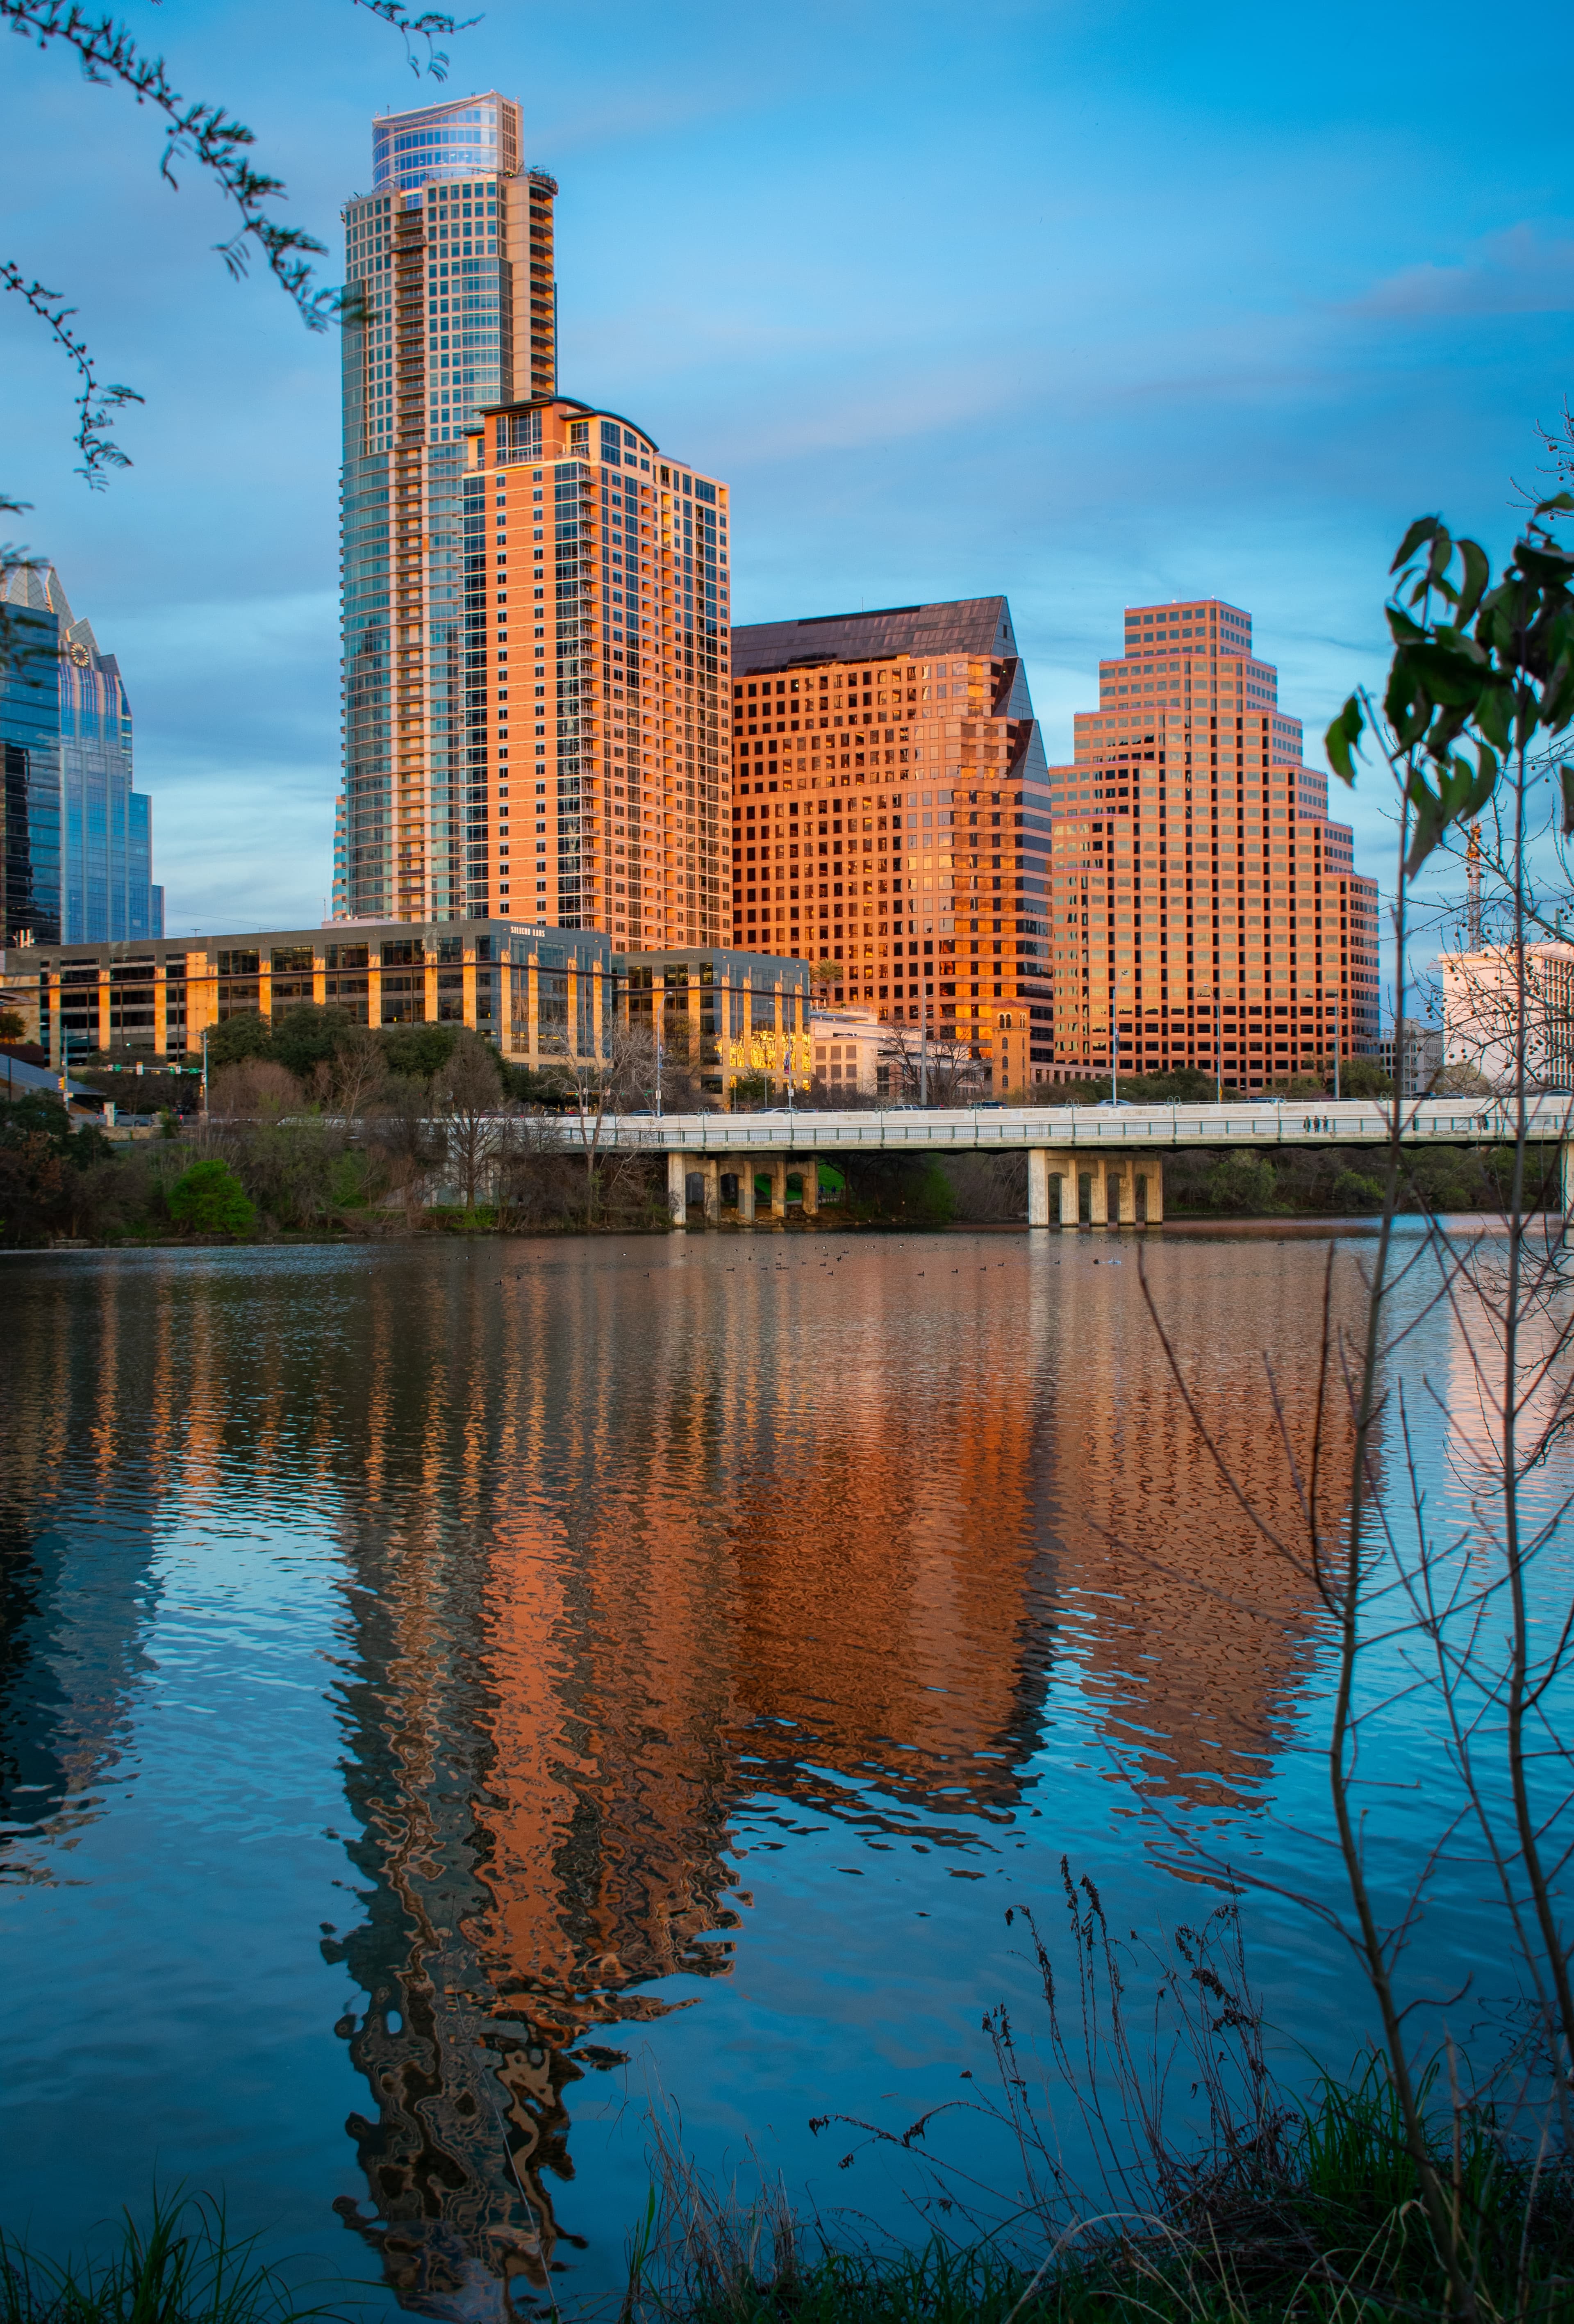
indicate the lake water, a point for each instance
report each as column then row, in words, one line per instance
column 456, row 1697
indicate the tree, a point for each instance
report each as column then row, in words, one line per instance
column 468, row 1095
column 307, row 1037
column 350, row 1080
column 254, row 1091
column 209, row 1199
column 210, row 139
column 12, row 1028
column 234, row 1038
column 1466, row 1604
column 404, row 1143
column 937, row 1073
column 622, row 1080
column 418, row 1051
column 1364, row 1077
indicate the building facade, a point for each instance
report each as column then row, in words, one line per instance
column 890, row 817
column 848, row 1051
column 1414, row 1059
column 542, row 995
column 1481, row 1014
column 596, row 607
column 1206, row 912
column 79, row 838
column 451, row 258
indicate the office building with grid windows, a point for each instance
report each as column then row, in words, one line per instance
column 449, row 259
column 1207, row 911
column 890, row 818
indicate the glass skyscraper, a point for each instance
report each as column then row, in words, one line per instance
column 77, row 838
column 452, row 253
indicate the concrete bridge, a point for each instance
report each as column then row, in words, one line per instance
column 1094, row 1166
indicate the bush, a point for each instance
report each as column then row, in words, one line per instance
column 1244, row 1184
column 1354, row 1191
column 209, row 1199
column 235, row 1038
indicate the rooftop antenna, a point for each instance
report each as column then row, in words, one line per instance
column 1473, row 887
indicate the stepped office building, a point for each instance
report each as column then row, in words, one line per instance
column 890, row 814
column 1206, row 910
column 78, row 839
column 452, row 254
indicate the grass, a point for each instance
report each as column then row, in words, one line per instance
column 183, row 2268
column 1327, row 2228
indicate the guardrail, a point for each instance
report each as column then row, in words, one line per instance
column 1351, row 1122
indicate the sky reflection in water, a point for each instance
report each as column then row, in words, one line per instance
column 457, row 1694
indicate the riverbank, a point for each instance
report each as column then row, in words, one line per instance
column 1318, row 2216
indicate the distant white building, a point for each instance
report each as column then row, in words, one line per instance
column 847, row 1045
column 1481, row 1013
column 1414, row 1061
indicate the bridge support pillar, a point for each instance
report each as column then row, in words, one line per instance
column 1038, row 1188
column 777, row 1166
column 712, row 1175
column 1567, row 1190
column 742, row 1167
column 811, row 1177
column 1148, row 1191
column 677, row 1170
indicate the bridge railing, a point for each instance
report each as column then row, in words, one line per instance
column 1351, row 1122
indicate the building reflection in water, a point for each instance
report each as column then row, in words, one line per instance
column 79, row 1480
column 640, row 1547
column 631, row 1553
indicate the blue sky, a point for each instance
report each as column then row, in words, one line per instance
column 1085, row 303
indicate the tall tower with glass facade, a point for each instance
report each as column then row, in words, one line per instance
column 77, row 838
column 451, row 255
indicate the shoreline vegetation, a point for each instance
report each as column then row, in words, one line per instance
column 267, row 1180
column 319, row 1129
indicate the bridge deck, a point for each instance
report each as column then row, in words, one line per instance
column 1429, row 1121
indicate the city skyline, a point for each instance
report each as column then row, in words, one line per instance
column 1396, row 358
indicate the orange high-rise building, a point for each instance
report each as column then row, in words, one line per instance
column 1205, row 908
column 890, row 816
column 596, row 593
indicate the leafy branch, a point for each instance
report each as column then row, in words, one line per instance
column 208, row 136
column 1492, row 671
column 428, row 25
column 96, row 402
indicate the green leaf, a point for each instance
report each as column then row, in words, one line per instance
column 1440, row 560
column 1477, row 573
column 1421, row 529
column 1343, row 737
column 1566, row 775
column 1493, row 713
